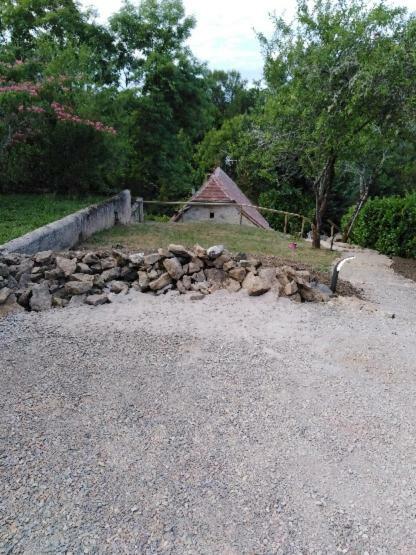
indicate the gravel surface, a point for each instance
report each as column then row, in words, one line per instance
column 228, row 425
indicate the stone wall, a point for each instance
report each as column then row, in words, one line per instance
column 71, row 230
column 72, row 278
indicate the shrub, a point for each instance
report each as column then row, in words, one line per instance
column 386, row 224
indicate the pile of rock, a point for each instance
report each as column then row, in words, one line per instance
column 49, row 279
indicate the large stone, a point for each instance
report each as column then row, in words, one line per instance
column 4, row 270
column 53, row 274
column 23, row 297
column 315, row 293
column 108, row 263
column 143, row 281
column 173, row 268
column 4, row 294
column 128, row 274
column 137, row 258
column 303, row 275
column 118, row 287
column 181, row 287
column 195, row 265
column 78, row 287
column 164, row 253
column 269, row 276
column 76, row 301
column 289, row 271
column 232, row 285
column 109, row 275
column 41, row 298
column 215, row 251
column 251, row 262
column 187, row 282
column 160, row 282
column 199, row 251
column 221, row 260
column 83, row 268
column 90, row 258
column 24, row 267
column 10, row 306
column 67, row 265
column 238, row 273
column 25, row 279
column 199, row 277
column 96, row 300
column 291, row 288
column 214, row 274
column 12, row 258
column 229, row 265
column 43, row 257
column 180, row 251
column 83, row 277
column 151, row 259
column 255, row 285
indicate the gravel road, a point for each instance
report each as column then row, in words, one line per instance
column 230, row 425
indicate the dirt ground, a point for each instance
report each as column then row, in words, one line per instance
column 405, row 266
column 228, row 425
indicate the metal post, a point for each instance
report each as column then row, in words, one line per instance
column 335, row 273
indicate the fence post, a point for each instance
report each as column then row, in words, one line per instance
column 241, row 215
column 286, row 221
column 302, row 231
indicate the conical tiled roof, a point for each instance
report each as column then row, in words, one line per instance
column 221, row 188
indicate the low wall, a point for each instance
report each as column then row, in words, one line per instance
column 71, row 230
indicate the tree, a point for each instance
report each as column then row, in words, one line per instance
column 340, row 68
column 231, row 94
column 172, row 108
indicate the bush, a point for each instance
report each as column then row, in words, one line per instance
column 386, row 224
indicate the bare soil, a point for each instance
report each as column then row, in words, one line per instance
column 405, row 267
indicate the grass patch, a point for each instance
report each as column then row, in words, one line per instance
column 20, row 214
column 244, row 239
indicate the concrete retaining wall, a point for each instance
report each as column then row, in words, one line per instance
column 69, row 231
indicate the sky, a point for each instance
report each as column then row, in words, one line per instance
column 225, row 33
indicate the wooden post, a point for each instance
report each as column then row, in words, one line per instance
column 241, row 215
column 302, row 231
column 286, row 221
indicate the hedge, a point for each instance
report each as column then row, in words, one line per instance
column 386, row 224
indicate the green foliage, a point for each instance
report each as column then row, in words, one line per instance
column 339, row 69
column 387, row 224
column 20, row 214
column 289, row 199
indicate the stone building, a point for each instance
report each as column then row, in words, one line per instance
column 208, row 204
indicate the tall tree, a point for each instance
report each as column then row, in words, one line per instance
column 338, row 69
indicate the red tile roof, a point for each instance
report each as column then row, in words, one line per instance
column 221, row 188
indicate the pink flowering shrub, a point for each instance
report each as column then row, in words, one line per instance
column 34, row 90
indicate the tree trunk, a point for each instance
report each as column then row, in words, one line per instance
column 322, row 188
column 359, row 206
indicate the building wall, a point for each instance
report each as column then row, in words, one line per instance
column 222, row 215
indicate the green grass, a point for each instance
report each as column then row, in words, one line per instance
column 20, row 214
column 237, row 239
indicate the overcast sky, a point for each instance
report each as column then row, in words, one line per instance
column 224, row 36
